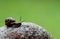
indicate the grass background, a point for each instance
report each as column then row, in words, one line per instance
column 42, row 12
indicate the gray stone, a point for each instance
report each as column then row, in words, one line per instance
column 27, row 30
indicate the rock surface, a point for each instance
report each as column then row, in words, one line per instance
column 27, row 30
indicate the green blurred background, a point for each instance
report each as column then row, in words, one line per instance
column 42, row 12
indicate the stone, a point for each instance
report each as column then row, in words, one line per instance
column 27, row 30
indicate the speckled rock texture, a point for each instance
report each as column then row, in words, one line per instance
column 27, row 30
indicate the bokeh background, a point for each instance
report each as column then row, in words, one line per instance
column 42, row 12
